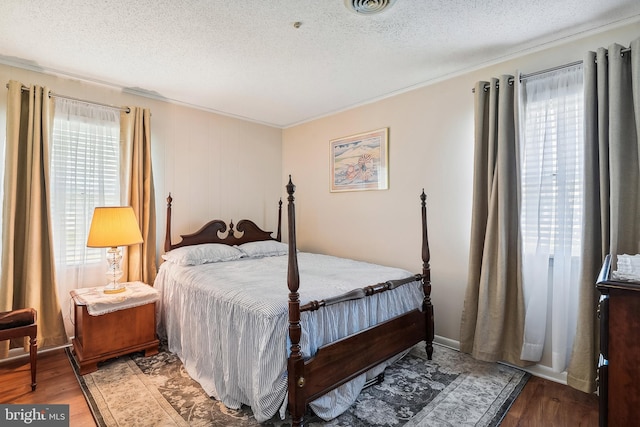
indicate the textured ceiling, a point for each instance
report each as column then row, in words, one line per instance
column 246, row 58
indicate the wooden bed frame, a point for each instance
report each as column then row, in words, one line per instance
column 336, row 363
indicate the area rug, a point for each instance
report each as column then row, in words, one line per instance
column 453, row 389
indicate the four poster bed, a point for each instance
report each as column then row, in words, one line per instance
column 247, row 340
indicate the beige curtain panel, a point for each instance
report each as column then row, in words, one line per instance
column 492, row 322
column 28, row 273
column 138, row 190
column 612, row 187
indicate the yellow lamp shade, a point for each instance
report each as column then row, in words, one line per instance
column 112, row 227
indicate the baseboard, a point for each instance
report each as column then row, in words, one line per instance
column 452, row 344
column 543, row 372
column 536, row 370
column 18, row 353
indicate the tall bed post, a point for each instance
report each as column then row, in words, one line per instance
column 279, row 233
column 427, row 306
column 295, row 366
column 167, row 236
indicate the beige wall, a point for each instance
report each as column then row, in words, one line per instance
column 214, row 166
column 430, row 146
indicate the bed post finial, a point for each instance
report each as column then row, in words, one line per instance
column 427, row 306
column 291, row 188
column 279, row 233
column 297, row 401
column 167, row 234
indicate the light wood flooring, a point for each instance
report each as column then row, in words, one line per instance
column 542, row 403
column 57, row 384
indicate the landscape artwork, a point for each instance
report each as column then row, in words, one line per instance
column 359, row 162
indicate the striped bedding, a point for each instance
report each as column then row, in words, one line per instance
column 228, row 323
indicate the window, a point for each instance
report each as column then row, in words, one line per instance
column 551, row 159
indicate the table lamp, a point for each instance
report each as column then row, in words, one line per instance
column 112, row 227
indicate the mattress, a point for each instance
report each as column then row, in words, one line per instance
column 228, row 323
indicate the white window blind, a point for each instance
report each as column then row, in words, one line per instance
column 552, row 168
column 85, row 173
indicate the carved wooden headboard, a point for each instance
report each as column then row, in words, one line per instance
column 214, row 232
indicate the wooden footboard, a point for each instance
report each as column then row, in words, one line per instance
column 338, row 362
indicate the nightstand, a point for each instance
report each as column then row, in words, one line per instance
column 112, row 325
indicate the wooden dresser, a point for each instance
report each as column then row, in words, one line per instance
column 619, row 362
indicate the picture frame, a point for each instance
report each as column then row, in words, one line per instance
column 360, row 162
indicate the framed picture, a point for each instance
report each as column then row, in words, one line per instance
column 360, row 162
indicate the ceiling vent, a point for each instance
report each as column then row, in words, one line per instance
column 368, row 7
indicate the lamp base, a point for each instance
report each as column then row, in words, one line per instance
column 114, row 272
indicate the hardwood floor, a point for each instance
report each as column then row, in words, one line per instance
column 57, row 384
column 547, row 403
column 542, row 403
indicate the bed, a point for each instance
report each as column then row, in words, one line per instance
column 249, row 339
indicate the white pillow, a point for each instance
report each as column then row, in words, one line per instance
column 264, row 248
column 202, row 254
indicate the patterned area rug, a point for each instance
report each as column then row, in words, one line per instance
column 451, row 390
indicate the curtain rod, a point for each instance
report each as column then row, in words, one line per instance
column 548, row 70
column 55, row 95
